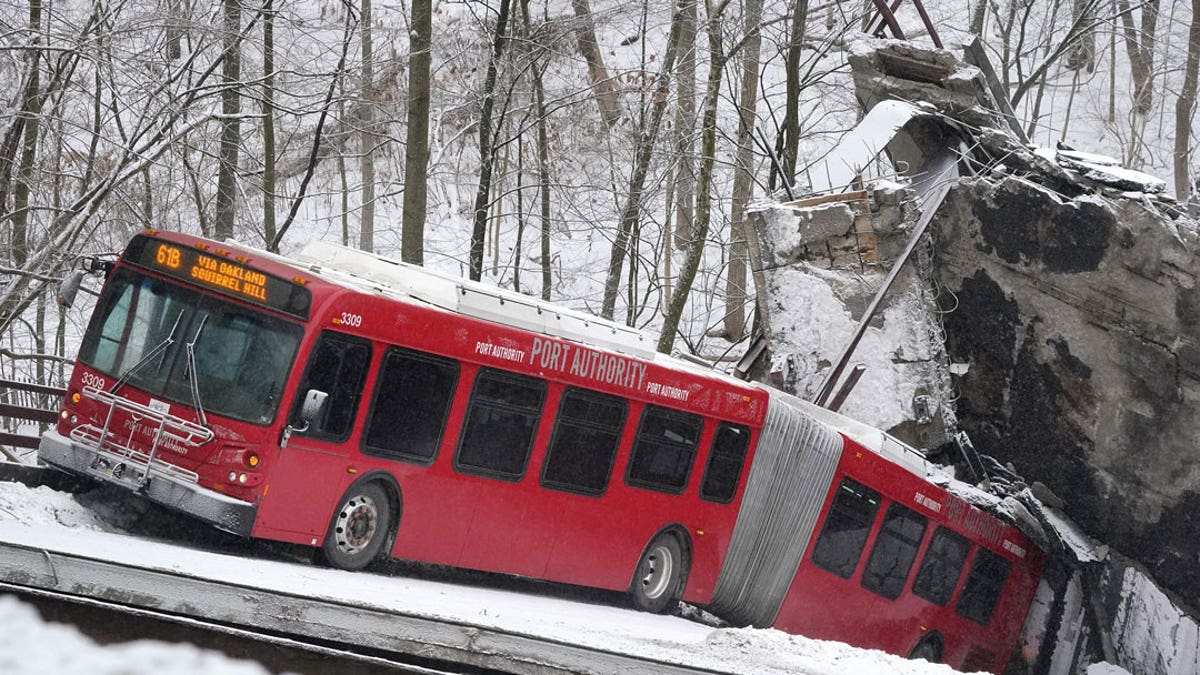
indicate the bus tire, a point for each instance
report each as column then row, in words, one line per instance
column 359, row 528
column 928, row 648
column 658, row 578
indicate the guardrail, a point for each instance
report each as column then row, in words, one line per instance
column 24, row 401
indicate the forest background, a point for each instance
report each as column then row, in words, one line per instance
column 598, row 153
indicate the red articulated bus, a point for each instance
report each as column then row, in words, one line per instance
column 366, row 407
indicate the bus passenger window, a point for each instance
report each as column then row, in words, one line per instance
column 941, row 567
column 501, row 420
column 412, row 401
column 846, row 527
column 894, row 551
column 982, row 588
column 664, row 449
column 725, row 463
column 338, row 367
column 584, row 443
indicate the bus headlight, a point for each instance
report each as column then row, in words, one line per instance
column 232, row 476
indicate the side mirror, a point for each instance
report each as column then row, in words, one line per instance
column 68, row 288
column 311, row 410
column 314, row 405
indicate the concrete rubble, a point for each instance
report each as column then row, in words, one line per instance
column 1054, row 316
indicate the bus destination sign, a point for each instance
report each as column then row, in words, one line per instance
column 214, row 272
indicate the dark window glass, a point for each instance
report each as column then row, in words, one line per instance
column 725, row 463
column 664, row 449
column 584, row 444
column 846, row 527
column 941, row 567
column 338, row 367
column 982, row 588
column 412, row 400
column 894, row 551
column 238, row 359
column 501, row 420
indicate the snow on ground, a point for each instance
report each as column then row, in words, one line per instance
column 31, row 646
column 56, row 521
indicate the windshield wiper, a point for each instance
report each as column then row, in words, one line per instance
column 150, row 356
column 194, row 375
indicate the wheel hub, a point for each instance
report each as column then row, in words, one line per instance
column 357, row 522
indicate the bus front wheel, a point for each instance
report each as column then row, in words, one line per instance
column 929, row 649
column 658, row 580
column 359, row 528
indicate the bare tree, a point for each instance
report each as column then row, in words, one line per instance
column 487, row 159
column 643, row 151
column 708, row 150
column 743, row 176
column 366, row 131
column 1139, row 44
column 607, row 96
column 31, row 109
column 684, row 185
column 1185, row 108
column 268, row 121
column 226, row 204
column 791, row 116
column 416, row 152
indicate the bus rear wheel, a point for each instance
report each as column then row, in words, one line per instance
column 359, row 528
column 658, row 579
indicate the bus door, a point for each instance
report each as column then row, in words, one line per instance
column 314, row 467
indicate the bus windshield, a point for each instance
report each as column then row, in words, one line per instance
column 141, row 330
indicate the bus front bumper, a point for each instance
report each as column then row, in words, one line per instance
column 163, row 484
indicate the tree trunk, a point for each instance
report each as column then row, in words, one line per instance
column 743, row 175
column 708, row 144
column 226, row 203
column 543, row 160
column 791, row 116
column 607, row 96
column 416, row 153
column 31, row 110
column 685, row 129
column 1185, row 108
column 366, row 121
column 487, row 159
column 647, row 135
column 1083, row 52
column 1139, row 44
column 268, row 124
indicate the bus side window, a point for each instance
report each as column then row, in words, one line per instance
column 941, row 567
column 500, row 423
column 894, row 551
column 338, row 367
column 982, row 588
column 664, row 449
column 846, row 527
column 584, row 443
column 725, row 461
column 411, row 404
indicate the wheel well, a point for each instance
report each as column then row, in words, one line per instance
column 685, row 546
column 932, row 638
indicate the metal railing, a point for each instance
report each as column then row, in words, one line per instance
column 27, row 402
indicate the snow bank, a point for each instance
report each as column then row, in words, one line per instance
column 31, row 646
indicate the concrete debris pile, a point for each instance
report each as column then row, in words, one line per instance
column 1054, row 316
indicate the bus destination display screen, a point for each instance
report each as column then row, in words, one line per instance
column 220, row 274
